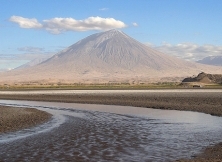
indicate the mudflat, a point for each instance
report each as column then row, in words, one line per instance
column 199, row 101
column 12, row 119
column 205, row 101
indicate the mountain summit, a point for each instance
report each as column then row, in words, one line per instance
column 104, row 57
column 113, row 52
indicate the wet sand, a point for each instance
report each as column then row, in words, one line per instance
column 210, row 103
column 210, row 154
column 13, row 119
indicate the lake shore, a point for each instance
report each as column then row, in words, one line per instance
column 210, row 103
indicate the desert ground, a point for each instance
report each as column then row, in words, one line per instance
column 205, row 101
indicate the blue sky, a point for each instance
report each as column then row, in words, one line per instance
column 189, row 29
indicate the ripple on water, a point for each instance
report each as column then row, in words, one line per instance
column 100, row 136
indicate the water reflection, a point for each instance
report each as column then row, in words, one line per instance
column 113, row 133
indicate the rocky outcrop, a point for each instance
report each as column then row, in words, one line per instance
column 205, row 78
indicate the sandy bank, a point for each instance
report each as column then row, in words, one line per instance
column 12, row 119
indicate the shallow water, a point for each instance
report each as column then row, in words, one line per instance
column 81, row 132
column 54, row 92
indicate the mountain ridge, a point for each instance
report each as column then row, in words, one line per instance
column 212, row 60
column 103, row 51
column 106, row 57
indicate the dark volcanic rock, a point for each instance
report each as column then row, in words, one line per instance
column 205, row 78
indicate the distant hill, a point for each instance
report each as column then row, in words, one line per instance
column 110, row 56
column 34, row 62
column 205, row 78
column 212, row 60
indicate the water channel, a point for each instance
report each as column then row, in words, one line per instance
column 86, row 132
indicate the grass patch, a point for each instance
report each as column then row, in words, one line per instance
column 105, row 86
column 116, row 86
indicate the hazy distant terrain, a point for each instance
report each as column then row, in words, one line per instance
column 34, row 62
column 212, row 60
column 110, row 56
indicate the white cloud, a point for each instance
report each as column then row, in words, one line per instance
column 25, row 22
column 32, row 56
column 31, row 49
column 103, row 9
column 189, row 51
column 59, row 25
column 135, row 24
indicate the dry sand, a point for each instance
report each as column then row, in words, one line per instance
column 210, row 102
column 12, row 119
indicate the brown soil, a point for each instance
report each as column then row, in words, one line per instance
column 12, row 119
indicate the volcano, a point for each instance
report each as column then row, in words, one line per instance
column 110, row 56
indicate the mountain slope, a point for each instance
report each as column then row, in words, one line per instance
column 113, row 50
column 212, row 60
column 34, row 62
column 104, row 57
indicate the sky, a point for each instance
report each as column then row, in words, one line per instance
column 29, row 29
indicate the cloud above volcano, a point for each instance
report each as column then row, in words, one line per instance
column 59, row 25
